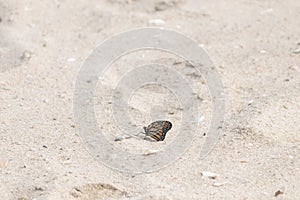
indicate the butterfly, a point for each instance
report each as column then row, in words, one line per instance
column 158, row 130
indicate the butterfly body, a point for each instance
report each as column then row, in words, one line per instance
column 158, row 130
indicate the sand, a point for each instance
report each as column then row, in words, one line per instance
column 254, row 46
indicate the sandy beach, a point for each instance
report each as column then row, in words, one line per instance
column 253, row 45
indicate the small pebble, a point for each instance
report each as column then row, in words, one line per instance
column 296, row 51
column 244, row 161
column 156, row 21
column 26, row 55
column 149, row 152
column 278, row 192
column 250, row 102
column 249, row 145
column 45, row 100
column 39, row 188
column 219, row 184
column 71, row 59
column 267, row 11
column 119, row 138
column 262, row 51
column 201, row 118
column 122, row 137
column 67, row 162
column 209, row 174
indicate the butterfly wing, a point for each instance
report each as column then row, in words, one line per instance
column 158, row 130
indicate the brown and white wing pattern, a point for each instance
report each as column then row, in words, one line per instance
column 158, row 130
